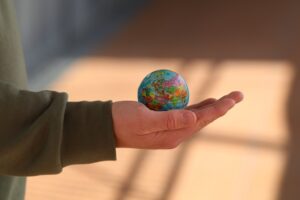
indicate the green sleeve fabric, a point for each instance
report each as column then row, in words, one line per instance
column 41, row 132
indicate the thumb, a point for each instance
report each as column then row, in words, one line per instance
column 169, row 120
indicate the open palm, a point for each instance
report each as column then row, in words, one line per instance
column 136, row 126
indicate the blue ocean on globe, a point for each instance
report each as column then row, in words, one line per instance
column 163, row 90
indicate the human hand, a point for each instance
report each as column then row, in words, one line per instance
column 136, row 126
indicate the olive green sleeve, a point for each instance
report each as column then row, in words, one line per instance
column 41, row 132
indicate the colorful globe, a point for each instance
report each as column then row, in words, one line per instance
column 163, row 90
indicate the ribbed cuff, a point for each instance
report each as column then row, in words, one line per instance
column 88, row 133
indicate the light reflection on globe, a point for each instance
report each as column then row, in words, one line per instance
column 163, row 90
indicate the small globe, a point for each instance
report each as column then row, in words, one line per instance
column 163, row 90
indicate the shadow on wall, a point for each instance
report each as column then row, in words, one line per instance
column 291, row 179
column 258, row 30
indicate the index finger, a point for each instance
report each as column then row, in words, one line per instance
column 202, row 104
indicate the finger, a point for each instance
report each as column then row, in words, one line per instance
column 170, row 139
column 202, row 104
column 168, row 120
column 237, row 96
column 211, row 113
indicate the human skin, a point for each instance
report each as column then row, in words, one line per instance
column 136, row 126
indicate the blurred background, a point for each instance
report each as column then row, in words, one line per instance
column 103, row 49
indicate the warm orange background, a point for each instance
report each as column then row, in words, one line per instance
column 251, row 154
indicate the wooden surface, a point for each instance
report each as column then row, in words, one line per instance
column 218, row 48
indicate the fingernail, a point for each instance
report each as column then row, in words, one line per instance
column 189, row 118
column 241, row 97
column 232, row 102
column 238, row 96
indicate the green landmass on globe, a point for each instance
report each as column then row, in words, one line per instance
column 163, row 90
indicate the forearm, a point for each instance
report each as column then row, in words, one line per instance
column 41, row 132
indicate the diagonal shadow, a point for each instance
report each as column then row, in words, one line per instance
column 214, row 30
column 135, row 169
column 175, row 168
column 140, row 158
column 289, row 189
